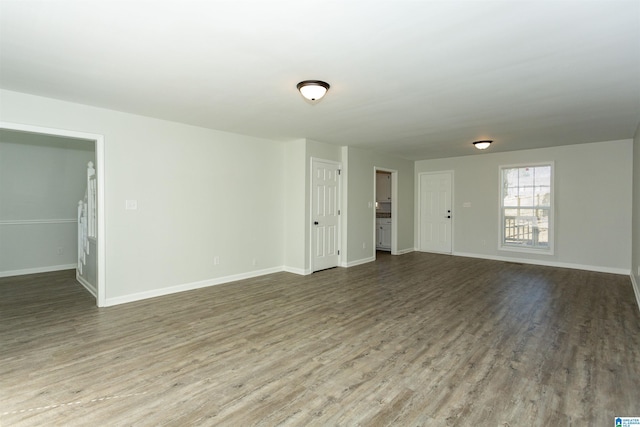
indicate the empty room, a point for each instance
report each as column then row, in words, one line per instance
column 319, row 213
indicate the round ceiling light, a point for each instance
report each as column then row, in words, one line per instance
column 313, row 90
column 482, row 145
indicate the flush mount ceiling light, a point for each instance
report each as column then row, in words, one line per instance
column 313, row 90
column 482, row 145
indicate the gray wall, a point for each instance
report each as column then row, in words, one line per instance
column 297, row 187
column 201, row 195
column 360, row 193
column 635, row 257
column 592, row 204
column 358, row 181
column 204, row 194
column 296, row 258
column 41, row 181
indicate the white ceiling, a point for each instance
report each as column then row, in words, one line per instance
column 417, row 79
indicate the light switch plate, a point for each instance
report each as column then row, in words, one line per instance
column 466, row 205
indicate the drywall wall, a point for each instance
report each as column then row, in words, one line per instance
column 41, row 181
column 635, row 251
column 592, row 203
column 202, row 196
column 360, row 171
column 211, row 206
column 294, row 226
column 297, row 227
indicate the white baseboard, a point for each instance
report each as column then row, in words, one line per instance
column 227, row 279
column 212, row 282
column 358, row 262
column 441, row 253
column 88, row 286
column 189, row 286
column 37, row 270
column 598, row 268
column 636, row 289
column 299, row 271
column 403, row 251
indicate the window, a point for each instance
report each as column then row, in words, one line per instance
column 526, row 208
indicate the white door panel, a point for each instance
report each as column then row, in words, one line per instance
column 325, row 215
column 435, row 212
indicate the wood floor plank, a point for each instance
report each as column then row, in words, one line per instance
column 417, row 339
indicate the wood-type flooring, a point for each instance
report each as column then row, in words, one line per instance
column 413, row 340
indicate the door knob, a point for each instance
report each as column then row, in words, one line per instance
column 448, row 216
column 315, row 222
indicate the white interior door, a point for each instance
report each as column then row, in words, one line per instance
column 435, row 212
column 325, row 215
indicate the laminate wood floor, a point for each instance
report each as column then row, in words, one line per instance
column 417, row 339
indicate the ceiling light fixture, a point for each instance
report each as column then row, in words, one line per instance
column 313, row 90
column 482, row 145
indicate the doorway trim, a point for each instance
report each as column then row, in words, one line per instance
column 394, row 209
column 100, row 161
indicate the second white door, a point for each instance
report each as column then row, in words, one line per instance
column 435, row 212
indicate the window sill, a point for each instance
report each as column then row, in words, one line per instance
column 540, row 251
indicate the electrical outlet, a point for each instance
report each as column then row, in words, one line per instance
column 216, row 260
column 364, row 245
column 59, row 250
column 254, row 262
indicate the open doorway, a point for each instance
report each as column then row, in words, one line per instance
column 386, row 210
column 73, row 138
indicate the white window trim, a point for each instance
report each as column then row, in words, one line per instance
column 540, row 251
